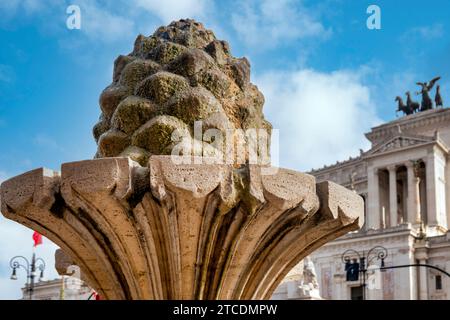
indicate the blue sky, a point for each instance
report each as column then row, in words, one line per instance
column 327, row 78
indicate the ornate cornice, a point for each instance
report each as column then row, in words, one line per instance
column 337, row 165
column 399, row 142
column 409, row 123
column 396, row 142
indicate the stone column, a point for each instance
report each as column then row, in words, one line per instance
column 422, row 256
column 341, row 286
column 374, row 215
column 417, row 200
column 393, row 214
column 423, row 281
column 447, row 193
column 430, row 172
column 412, row 193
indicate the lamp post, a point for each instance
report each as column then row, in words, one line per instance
column 30, row 268
column 356, row 264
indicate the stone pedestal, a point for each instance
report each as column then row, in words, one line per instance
column 170, row 231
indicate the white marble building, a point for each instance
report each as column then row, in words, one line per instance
column 405, row 181
column 72, row 289
column 300, row 283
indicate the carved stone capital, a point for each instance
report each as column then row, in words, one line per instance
column 392, row 168
column 186, row 231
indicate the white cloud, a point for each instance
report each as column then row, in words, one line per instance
column 43, row 140
column 3, row 176
column 23, row 6
column 17, row 240
column 105, row 21
column 170, row 10
column 397, row 84
column 428, row 32
column 322, row 117
column 99, row 23
column 267, row 23
column 10, row 290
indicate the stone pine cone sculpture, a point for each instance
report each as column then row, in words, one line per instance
column 179, row 75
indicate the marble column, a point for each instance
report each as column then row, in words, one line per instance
column 393, row 213
column 423, row 281
column 447, row 192
column 412, row 193
column 417, row 199
column 374, row 215
column 430, row 171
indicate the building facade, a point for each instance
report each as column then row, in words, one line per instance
column 299, row 284
column 405, row 181
column 66, row 288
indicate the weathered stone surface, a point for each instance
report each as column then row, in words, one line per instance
column 186, row 32
column 217, row 82
column 148, row 226
column 161, row 86
column 166, row 52
column 174, row 231
column 217, row 120
column 112, row 142
column 241, row 71
column 100, row 127
column 131, row 112
column 219, row 50
column 191, row 63
column 184, row 72
column 62, row 262
column 119, row 65
column 134, row 72
column 136, row 154
column 156, row 135
column 111, row 97
column 194, row 105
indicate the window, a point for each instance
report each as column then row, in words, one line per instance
column 356, row 293
column 438, row 282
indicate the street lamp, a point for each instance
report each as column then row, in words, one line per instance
column 22, row 262
column 356, row 263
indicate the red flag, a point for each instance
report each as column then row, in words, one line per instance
column 94, row 295
column 37, row 237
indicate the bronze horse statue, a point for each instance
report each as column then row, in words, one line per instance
column 438, row 97
column 412, row 105
column 403, row 107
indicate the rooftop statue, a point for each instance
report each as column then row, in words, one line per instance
column 438, row 97
column 412, row 107
column 402, row 107
column 427, row 103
